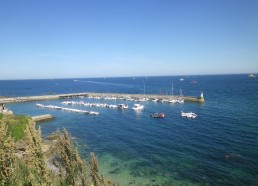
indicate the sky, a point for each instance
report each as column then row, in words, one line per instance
column 118, row 38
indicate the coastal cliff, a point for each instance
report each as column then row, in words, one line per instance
column 27, row 159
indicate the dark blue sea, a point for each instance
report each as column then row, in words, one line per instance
column 219, row 147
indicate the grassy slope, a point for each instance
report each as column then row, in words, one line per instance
column 16, row 125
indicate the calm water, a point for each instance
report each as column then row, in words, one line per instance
column 219, row 147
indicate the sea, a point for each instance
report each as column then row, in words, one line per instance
column 218, row 147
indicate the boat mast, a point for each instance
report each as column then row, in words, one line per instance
column 144, row 87
column 181, row 93
column 172, row 90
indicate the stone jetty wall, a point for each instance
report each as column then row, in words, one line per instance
column 117, row 95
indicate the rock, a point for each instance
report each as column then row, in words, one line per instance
column 20, row 145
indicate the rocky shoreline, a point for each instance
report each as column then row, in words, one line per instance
column 49, row 148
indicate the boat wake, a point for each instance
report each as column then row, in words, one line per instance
column 104, row 83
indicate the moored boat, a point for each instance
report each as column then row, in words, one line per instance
column 172, row 101
column 188, row 114
column 155, row 99
column 181, row 98
column 122, row 106
column 94, row 113
column 251, row 76
column 158, row 115
column 40, row 105
column 193, row 81
column 138, row 107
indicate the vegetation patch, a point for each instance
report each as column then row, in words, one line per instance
column 29, row 165
column 16, row 125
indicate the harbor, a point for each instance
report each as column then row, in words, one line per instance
column 114, row 96
column 184, row 136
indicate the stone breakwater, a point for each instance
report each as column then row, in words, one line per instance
column 42, row 117
column 100, row 96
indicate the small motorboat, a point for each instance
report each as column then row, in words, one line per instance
column 138, row 107
column 39, row 105
column 179, row 100
column 94, row 113
column 188, row 114
column 193, row 82
column 172, row 101
column 158, row 115
column 122, row 106
column 251, row 76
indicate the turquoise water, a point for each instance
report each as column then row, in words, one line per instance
column 219, row 147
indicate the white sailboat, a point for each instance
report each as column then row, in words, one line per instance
column 144, row 87
column 180, row 99
column 172, row 100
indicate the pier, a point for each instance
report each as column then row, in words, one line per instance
column 99, row 95
column 42, row 118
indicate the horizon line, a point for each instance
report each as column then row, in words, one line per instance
column 58, row 78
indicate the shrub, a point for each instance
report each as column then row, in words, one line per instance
column 7, row 157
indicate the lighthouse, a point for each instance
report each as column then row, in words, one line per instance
column 201, row 98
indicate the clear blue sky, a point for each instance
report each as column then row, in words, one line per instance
column 107, row 38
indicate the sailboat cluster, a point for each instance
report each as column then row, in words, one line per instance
column 166, row 99
column 172, row 99
column 54, row 107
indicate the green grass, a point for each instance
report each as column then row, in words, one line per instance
column 1, row 116
column 16, row 125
